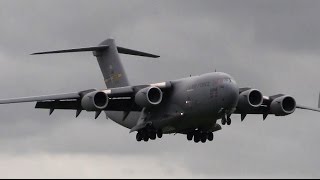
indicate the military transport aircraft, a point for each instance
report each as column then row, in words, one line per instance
column 190, row 106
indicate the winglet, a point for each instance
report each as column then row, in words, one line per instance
column 319, row 102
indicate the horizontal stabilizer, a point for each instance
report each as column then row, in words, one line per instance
column 121, row 50
column 97, row 48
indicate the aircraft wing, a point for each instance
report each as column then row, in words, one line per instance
column 121, row 99
column 308, row 108
column 41, row 98
column 264, row 108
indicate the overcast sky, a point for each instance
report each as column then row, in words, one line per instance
column 273, row 46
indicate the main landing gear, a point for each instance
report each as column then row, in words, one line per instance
column 198, row 136
column 148, row 134
column 226, row 119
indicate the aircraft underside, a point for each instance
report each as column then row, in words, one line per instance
column 195, row 129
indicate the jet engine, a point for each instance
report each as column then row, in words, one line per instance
column 283, row 106
column 95, row 101
column 249, row 99
column 148, row 97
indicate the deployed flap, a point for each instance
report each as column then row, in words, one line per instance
column 114, row 105
column 65, row 105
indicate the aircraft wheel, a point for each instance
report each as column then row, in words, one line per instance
column 197, row 138
column 203, row 137
column 153, row 136
column 146, row 138
column 145, row 135
column 223, row 121
column 210, row 136
column 139, row 137
column 229, row 121
column 189, row 136
column 159, row 134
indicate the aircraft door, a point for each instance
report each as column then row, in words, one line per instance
column 189, row 100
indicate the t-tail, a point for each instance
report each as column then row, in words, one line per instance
column 107, row 54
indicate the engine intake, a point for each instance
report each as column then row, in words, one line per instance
column 283, row 106
column 250, row 99
column 95, row 101
column 149, row 97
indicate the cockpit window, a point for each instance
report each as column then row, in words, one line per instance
column 221, row 81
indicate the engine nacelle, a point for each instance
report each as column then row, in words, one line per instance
column 283, row 106
column 249, row 99
column 149, row 97
column 95, row 101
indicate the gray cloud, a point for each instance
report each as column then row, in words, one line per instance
column 269, row 45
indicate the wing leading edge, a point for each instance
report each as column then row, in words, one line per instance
column 41, row 98
column 308, row 108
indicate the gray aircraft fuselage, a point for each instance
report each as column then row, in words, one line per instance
column 196, row 101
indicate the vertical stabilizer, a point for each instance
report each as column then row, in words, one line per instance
column 111, row 65
column 107, row 54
